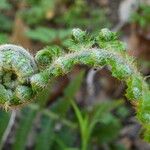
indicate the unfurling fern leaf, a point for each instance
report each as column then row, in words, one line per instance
column 16, row 67
column 22, row 77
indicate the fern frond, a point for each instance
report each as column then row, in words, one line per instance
column 21, row 79
column 16, row 66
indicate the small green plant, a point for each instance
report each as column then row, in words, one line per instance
column 23, row 77
column 100, row 116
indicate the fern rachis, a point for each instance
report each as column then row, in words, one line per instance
column 22, row 76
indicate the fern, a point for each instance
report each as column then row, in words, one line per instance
column 22, row 79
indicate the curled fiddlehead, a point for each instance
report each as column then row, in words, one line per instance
column 16, row 68
column 21, row 79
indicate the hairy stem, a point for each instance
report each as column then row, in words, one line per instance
column 122, row 68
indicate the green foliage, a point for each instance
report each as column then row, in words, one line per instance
column 26, row 121
column 78, row 13
column 47, row 35
column 103, row 127
column 3, row 38
column 64, row 104
column 109, row 40
column 57, row 21
column 5, row 5
column 142, row 17
column 43, row 96
column 47, row 55
column 46, row 134
column 135, row 87
column 44, row 137
column 3, row 122
column 37, row 10
column 5, row 23
column 80, row 40
column 82, row 14
column 97, row 121
column 89, row 120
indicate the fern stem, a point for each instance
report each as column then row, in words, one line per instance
column 122, row 67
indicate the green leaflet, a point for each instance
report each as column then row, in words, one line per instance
column 45, row 56
column 109, row 40
column 24, row 92
column 4, row 96
column 80, row 40
column 135, row 87
column 78, row 34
